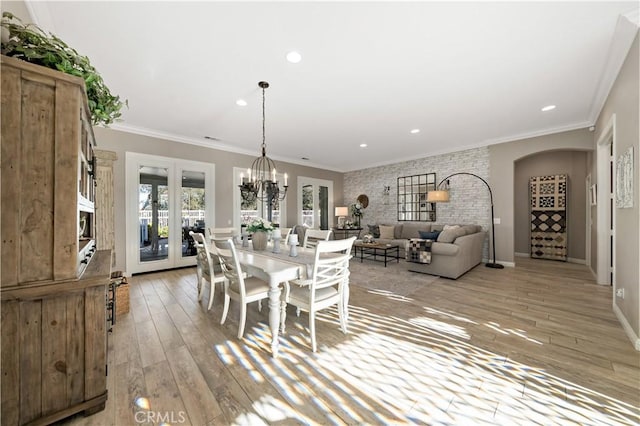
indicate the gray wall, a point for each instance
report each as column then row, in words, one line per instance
column 572, row 163
column 122, row 142
column 502, row 174
column 469, row 196
column 623, row 101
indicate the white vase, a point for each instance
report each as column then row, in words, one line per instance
column 259, row 240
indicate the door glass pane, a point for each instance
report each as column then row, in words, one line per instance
column 275, row 213
column 193, row 203
column 153, row 201
column 307, row 205
column 248, row 211
column 324, row 207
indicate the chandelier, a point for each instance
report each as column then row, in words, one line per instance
column 262, row 182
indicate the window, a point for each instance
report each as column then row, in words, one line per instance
column 412, row 198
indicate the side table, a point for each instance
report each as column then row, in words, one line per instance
column 344, row 233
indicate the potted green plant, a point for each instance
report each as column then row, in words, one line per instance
column 32, row 44
column 356, row 212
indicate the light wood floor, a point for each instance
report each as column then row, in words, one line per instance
column 535, row 344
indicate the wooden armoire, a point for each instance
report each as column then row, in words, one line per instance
column 548, row 204
column 54, row 281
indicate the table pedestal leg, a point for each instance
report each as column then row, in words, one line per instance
column 345, row 304
column 274, row 317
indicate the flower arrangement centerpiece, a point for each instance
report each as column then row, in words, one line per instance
column 259, row 227
column 260, row 224
column 356, row 211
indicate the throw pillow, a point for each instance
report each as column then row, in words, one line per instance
column 447, row 227
column 425, row 235
column 450, row 235
column 374, row 230
column 386, row 232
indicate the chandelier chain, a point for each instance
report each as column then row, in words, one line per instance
column 264, row 144
column 262, row 183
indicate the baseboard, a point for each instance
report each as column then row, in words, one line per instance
column 569, row 259
column 635, row 341
column 595, row 276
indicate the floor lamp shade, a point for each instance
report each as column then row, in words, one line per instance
column 438, row 196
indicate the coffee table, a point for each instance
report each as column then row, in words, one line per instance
column 373, row 251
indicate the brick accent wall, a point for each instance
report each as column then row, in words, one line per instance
column 469, row 197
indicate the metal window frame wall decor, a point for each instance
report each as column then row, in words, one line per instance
column 548, row 206
column 624, row 180
column 412, row 198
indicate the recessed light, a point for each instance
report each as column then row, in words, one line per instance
column 211, row 138
column 414, row 131
column 363, row 145
column 305, row 158
column 548, row 108
column 241, row 102
column 294, row 57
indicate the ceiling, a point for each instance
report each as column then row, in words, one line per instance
column 465, row 74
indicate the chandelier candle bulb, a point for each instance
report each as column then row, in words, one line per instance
column 285, row 179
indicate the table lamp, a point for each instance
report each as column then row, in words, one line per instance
column 341, row 212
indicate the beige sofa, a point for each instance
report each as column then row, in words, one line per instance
column 454, row 253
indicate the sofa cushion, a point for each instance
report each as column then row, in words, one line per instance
column 471, row 229
column 374, row 230
column 397, row 231
column 386, row 232
column 450, row 235
column 429, row 235
column 436, row 227
column 443, row 249
column 412, row 229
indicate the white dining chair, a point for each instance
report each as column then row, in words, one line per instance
column 223, row 233
column 312, row 236
column 327, row 286
column 284, row 235
column 206, row 266
column 245, row 289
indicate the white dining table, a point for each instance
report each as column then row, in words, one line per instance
column 275, row 269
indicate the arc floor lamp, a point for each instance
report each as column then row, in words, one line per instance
column 442, row 196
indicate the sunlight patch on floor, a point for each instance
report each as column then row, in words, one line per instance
column 417, row 370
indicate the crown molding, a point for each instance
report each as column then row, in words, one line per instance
column 543, row 132
column 623, row 36
column 485, row 143
column 174, row 137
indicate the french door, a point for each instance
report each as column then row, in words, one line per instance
column 166, row 198
column 315, row 202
